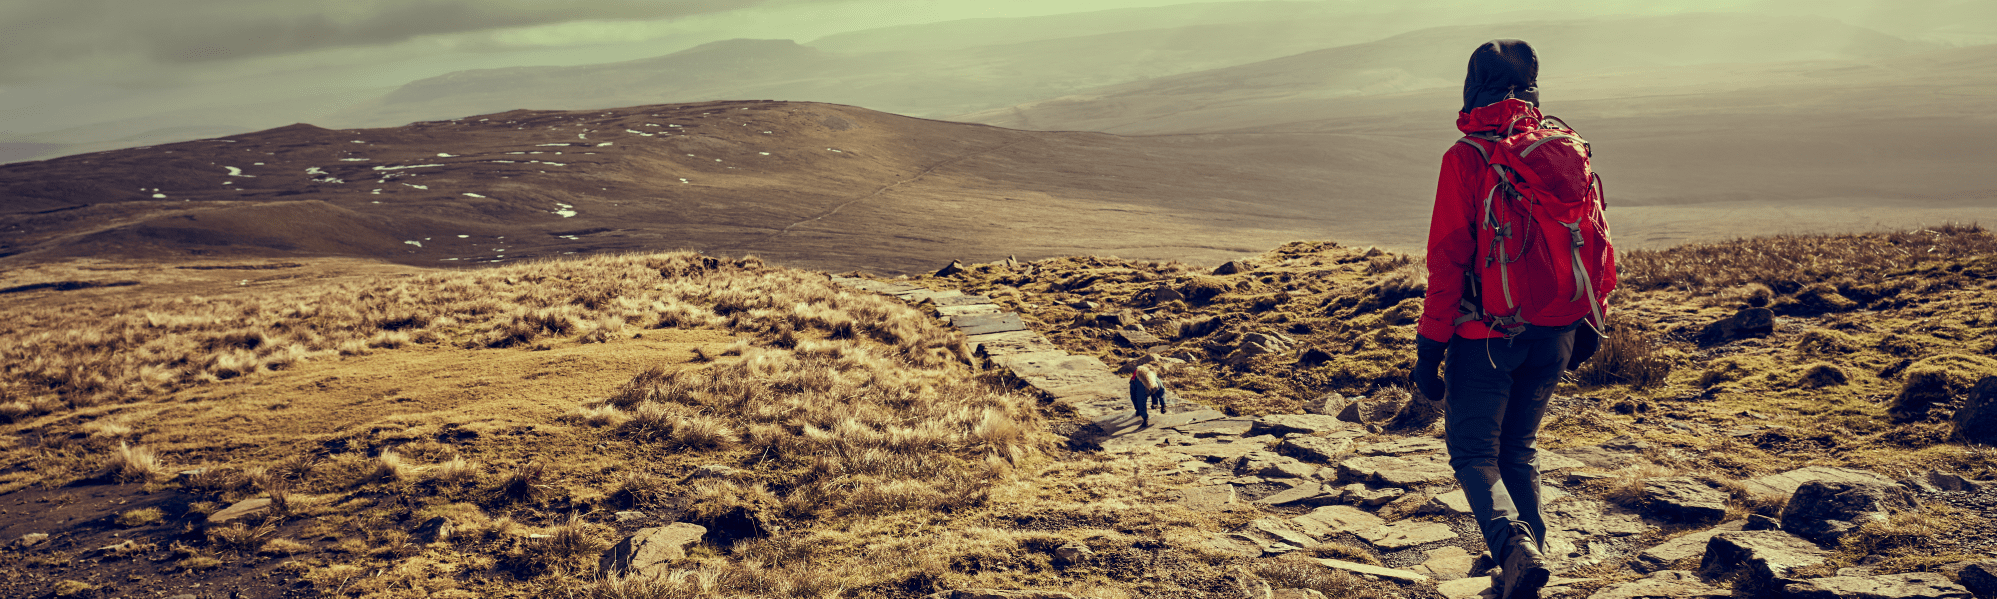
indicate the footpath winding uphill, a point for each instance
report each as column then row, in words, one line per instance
column 1350, row 478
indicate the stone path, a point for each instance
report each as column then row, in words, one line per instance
column 1002, row 341
column 1321, row 479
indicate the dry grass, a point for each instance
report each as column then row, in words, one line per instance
column 1789, row 263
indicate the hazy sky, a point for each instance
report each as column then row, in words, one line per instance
column 100, row 71
column 151, row 41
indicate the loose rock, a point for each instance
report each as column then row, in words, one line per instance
column 1785, row 484
column 1824, row 511
column 1685, row 499
column 650, row 547
column 1976, row 421
column 1287, row 424
column 1327, row 405
column 1347, row 519
column 1979, row 577
column 1668, row 584
column 1302, row 494
column 1897, row 586
column 1747, row 323
column 434, row 530
column 1767, row 556
column 1682, row 548
column 242, row 509
column 1073, row 553
column 1323, row 450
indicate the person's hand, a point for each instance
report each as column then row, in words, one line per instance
column 1427, row 375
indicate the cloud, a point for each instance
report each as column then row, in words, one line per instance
column 55, row 37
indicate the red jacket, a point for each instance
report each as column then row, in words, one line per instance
column 1452, row 233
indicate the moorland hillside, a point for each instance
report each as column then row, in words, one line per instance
column 494, row 432
column 806, row 185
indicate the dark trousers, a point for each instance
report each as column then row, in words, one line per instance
column 1498, row 391
column 1141, row 398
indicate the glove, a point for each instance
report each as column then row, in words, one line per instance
column 1427, row 375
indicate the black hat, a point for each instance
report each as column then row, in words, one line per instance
column 1501, row 69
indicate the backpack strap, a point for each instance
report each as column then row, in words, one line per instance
column 1481, row 150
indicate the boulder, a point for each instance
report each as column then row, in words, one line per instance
column 1073, row 553
column 1684, row 499
column 1165, row 293
column 1231, row 267
column 1288, row 424
column 1668, row 584
column 1358, row 494
column 954, row 267
column 30, row 540
column 1976, row 421
column 1979, row 577
column 1371, row 411
column 1747, row 323
column 1402, row 535
column 1760, row 522
column 434, row 530
column 1824, row 511
column 1679, row 549
column 649, row 548
column 1323, row 450
column 1785, row 484
column 1764, row 556
column 1896, row 586
column 1328, row 404
column 242, row 509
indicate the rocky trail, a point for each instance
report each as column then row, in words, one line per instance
column 1337, row 475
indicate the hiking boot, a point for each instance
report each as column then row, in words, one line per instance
column 1525, row 569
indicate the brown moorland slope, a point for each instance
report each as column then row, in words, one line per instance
column 834, row 443
column 808, row 185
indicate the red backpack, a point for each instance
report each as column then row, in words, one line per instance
column 1543, row 248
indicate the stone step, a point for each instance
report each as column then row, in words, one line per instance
column 952, row 312
column 991, row 345
column 959, row 300
column 989, row 323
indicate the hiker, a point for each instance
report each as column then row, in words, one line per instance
column 1146, row 391
column 1518, row 261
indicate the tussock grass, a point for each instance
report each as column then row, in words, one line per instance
column 134, row 463
column 1789, row 263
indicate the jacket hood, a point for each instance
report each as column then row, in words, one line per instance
column 1501, row 69
column 1515, row 113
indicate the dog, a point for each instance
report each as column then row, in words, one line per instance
column 1146, row 392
